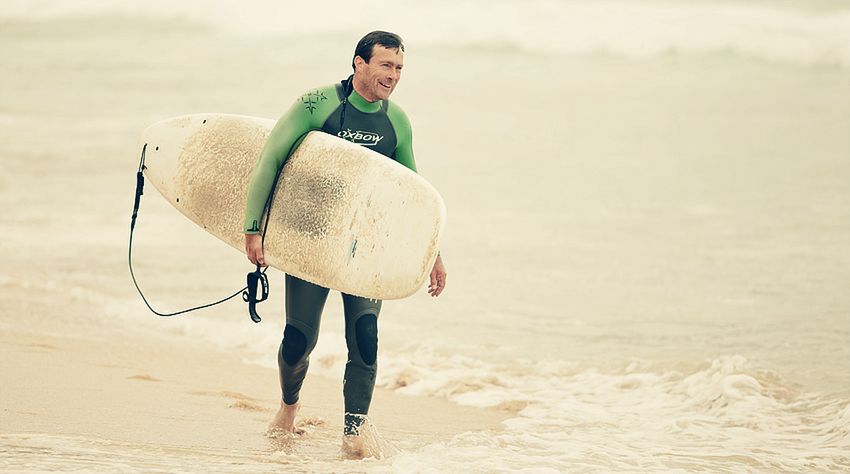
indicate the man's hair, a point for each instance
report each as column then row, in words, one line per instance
column 383, row 38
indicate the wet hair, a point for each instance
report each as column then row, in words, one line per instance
column 383, row 38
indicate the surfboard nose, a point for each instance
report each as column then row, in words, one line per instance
column 162, row 144
column 164, row 139
column 169, row 133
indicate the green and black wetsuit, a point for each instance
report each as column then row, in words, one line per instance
column 383, row 127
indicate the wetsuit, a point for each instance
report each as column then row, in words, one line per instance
column 383, row 127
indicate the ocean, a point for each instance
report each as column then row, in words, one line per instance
column 648, row 245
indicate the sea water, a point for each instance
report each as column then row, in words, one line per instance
column 649, row 215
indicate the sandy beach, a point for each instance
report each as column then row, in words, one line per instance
column 192, row 406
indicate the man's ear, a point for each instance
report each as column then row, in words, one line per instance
column 358, row 62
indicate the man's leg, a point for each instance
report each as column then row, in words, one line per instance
column 304, row 304
column 361, row 335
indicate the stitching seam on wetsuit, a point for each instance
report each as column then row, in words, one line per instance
column 374, row 310
column 303, row 327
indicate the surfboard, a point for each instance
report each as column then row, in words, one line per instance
column 342, row 216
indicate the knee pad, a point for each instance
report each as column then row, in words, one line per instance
column 294, row 344
column 366, row 331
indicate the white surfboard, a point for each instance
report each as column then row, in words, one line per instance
column 343, row 216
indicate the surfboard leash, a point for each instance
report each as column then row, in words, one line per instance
column 257, row 281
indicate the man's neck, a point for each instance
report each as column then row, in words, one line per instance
column 360, row 88
column 364, row 105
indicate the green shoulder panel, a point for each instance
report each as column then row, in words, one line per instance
column 308, row 113
column 404, row 136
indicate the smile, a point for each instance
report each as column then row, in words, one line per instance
column 384, row 85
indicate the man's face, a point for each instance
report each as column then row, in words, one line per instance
column 377, row 79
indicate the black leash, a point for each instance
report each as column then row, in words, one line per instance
column 256, row 279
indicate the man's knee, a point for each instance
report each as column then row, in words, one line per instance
column 366, row 332
column 294, row 344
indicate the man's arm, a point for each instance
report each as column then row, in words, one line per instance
column 307, row 113
column 404, row 155
column 294, row 123
column 404, row 136
column 275, row 152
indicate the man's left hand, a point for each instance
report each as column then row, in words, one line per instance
column 438, row 278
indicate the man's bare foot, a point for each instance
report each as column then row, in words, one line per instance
column 284, row 420
column 366, row 442
column 354, row 447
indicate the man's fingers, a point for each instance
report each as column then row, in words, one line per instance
column 438, row 283
column 256, row 258
column 254, row 250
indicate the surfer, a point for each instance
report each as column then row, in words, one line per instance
column 357, row 109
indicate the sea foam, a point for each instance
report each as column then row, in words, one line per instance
column 720, row 415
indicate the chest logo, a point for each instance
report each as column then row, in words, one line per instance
column 360, row 137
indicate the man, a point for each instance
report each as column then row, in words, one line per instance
column 355, row 108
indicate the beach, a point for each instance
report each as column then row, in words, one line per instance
column 648, row 243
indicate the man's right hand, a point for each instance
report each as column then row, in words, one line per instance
column 254, row 249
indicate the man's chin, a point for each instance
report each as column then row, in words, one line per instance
column 382, row 92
